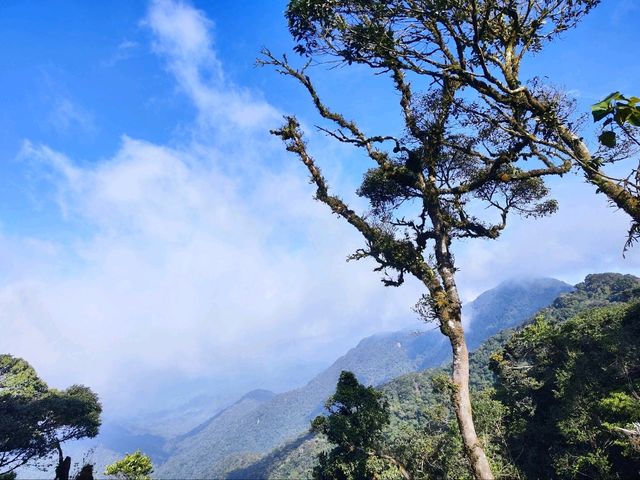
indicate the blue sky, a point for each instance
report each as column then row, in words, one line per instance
column 153, row 233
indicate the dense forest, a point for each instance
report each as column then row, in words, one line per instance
column 555, row 398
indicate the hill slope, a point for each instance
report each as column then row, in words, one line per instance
column 408, row 394
column 208, row 450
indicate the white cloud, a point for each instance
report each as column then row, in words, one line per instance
column 182, row 34
column 124, row 51
column 66, row 116
column 186, row 270
column 211, row 258
column 585, row 236
column 203, row 259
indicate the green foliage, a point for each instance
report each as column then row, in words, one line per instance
column 19, row 379
column 294, row 459
column 301, row 461
column 133, row 466
column 619, row 109
column 356, row 414
column 370, row 29
column 382, row 191
column 36, row 419
column 620, row 116
column 597, row 290
column 569, row 388
column 422, row 434
column 354, row 425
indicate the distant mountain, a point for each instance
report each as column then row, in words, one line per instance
column 504, row 306
column 150, row 432
column 246, row 403
column 295, row 459
column 251, row 428
column 198, row 451
column 178, row 420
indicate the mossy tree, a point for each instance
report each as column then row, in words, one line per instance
column 619, row 118
column 476, row 135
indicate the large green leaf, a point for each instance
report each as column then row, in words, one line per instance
column 634, row 118
column 605, row 107
column 600, row 110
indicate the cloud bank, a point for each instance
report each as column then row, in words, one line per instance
column 209, row 258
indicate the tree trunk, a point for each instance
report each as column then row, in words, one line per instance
column 462, row 402
column 64, row 465
column 450, row 316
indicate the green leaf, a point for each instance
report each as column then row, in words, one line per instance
column 600, row 110
column 622, row 114
column 604, row 107
column 608, row 138
column 634, row 118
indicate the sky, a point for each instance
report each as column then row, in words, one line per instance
column 155, row 238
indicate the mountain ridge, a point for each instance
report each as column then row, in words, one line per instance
column 295, row 459
column 375, row 360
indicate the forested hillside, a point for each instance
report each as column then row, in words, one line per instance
column 595, row 333
column 570, row 392
column 237, row 436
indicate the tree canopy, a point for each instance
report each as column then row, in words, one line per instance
column 36, row 419
column 481, row 44
column 133, row 466
column 356, row 417
column 570, row 391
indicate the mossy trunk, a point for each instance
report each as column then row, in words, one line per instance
column 462, row 404
column 448, row 309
